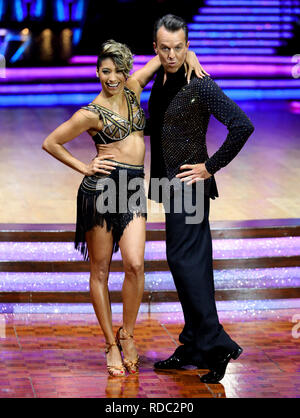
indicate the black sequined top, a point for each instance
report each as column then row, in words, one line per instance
column 179, row 117
column 115, row 126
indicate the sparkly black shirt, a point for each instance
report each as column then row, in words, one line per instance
column 179, row 116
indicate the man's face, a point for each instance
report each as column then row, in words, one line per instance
column 171, row 48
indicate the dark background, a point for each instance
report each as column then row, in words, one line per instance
column 127, row 21
column 130, row 22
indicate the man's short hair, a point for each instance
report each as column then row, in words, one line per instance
column 172, row 23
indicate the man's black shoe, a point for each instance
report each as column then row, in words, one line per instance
column 177, row 361
column 218, row 368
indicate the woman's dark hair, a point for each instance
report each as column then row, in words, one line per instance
column 119, row 53
column 172, row 23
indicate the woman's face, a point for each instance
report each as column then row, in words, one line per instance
column 112, row 79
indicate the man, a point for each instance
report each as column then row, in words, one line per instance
column 179, row 116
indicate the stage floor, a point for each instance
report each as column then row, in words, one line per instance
column 261, row 183
column 63, row 356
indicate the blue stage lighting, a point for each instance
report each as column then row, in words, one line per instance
column 60, row 11
column 17, row 55
column 79, row 10
column 77, row 35
column 18, row 9
column 1, row 8
column 80, row 99
column 39, row 8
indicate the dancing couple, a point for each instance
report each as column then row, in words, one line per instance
column 182, row 99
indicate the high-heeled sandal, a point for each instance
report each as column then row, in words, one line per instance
column 115, row 371
column 132, row 366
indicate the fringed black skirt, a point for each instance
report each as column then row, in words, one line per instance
column 110, row 201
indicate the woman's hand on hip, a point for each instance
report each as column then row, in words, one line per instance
column 100, row 165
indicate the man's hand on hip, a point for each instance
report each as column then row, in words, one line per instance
column 193, row 173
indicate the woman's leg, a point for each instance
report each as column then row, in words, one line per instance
column 100, row 244
column 132, row 246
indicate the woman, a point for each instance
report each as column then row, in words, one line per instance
column 115, row 121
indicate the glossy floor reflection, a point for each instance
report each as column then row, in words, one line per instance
column 253, row 186
column 49, row 355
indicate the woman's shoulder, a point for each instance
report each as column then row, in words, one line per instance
column 90, row 109
column 90, row 114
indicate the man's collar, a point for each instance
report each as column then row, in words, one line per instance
column 179, row 75
column 172, row 78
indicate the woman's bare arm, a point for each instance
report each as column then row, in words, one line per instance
column 146, row 73
column 140, row 78
column 80, row 122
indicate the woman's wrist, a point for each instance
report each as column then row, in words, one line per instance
column 84, row 170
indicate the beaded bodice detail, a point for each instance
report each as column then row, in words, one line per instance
column 115, row 126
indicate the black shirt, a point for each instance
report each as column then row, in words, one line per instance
column 179, row 118
column 160, row 98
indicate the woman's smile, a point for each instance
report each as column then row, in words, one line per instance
column 113, row 85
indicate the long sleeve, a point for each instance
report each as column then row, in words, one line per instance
column 231, row 115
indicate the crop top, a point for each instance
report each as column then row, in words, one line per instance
column 115, row 126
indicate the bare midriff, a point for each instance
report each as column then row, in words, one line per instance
column 130, row 150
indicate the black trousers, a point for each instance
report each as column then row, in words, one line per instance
column 189, row 255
